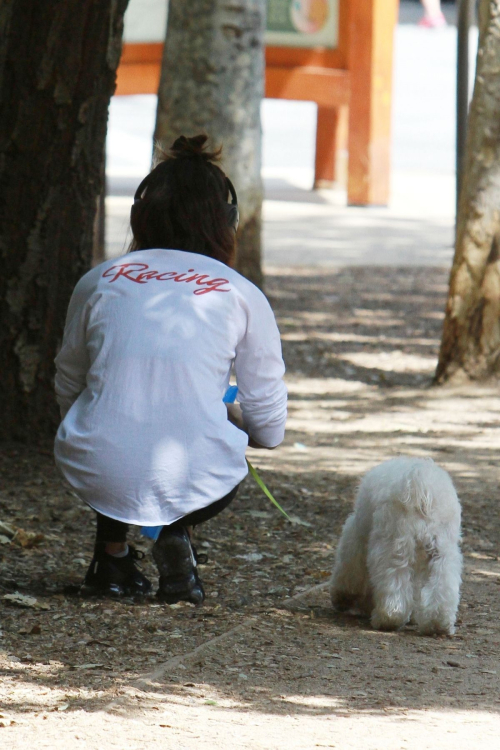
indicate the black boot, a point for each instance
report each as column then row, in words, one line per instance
column 115, row 576
column 174, row 556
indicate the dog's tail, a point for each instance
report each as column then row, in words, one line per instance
column 418, row 493
column 425, row 484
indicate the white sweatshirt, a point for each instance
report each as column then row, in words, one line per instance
column 149, row 342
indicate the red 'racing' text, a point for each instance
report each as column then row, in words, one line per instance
column 139, row 273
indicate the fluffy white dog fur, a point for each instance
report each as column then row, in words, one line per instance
column 399, row 555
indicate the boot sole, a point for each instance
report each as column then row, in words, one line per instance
column 195, row 596
column 99, row 592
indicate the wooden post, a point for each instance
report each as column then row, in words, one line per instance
column 371, row 35
column 331, row 147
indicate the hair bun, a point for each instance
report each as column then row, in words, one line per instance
column 193, row 147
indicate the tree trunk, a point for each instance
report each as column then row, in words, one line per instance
column 213, row 81
column 470, row 348
column 57, row 74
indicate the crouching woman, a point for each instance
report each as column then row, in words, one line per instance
column 148, row 347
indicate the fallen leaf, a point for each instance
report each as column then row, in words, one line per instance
column 21, row 599
column 7, row 530
column 436, row 669
column 299, row 521
column 28, row 539
column 259, row 513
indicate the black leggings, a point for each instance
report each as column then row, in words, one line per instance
column 110, row 530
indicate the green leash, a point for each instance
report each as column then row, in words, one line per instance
column 266, row 491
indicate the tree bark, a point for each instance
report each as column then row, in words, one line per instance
column 57, row 74
column 212, row 81
column 470, row 347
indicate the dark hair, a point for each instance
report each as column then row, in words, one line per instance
column 181, row 205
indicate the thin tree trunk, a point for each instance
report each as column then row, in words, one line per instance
column 212, row 81
column 470, row 347
column 57, row 74
column 99, row 242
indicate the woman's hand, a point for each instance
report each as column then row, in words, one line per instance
column 235, row 416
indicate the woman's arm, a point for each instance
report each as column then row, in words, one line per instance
column 259, row 371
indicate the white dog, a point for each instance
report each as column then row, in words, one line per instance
column 399, row 553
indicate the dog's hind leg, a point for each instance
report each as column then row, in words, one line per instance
column 437, row 604
column 349, row 581
column 390, row 559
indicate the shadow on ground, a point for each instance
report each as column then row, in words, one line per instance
column 361, row 347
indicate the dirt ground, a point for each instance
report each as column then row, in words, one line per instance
column 266, row 663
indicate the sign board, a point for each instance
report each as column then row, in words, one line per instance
column 290, row 23
column 302, row 23
column 145, row 21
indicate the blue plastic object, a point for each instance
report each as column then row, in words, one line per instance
column 153, row 532
column 230, row 394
